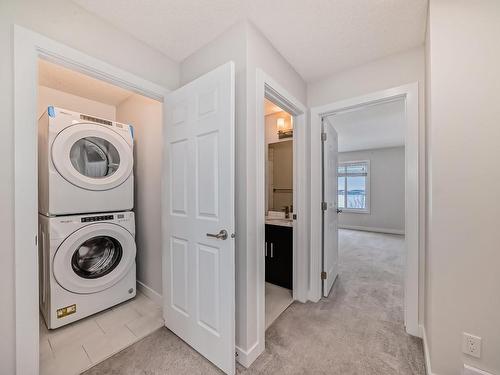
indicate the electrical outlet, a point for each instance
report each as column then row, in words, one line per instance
column 471, row 345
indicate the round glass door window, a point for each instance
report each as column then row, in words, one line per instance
column 96, row 257
column 94, row 157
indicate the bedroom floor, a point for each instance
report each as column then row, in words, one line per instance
column 357, row 330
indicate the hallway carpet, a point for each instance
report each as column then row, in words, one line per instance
column 357, row 330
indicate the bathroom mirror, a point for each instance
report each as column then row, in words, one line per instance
column 280, row 176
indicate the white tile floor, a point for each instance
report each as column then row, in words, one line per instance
column 74, row 348
column 277, row 301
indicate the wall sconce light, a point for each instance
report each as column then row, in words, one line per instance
column 282, row 132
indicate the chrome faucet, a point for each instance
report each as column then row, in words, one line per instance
column 287, row 212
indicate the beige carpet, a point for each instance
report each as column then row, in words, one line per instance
column 358, row 330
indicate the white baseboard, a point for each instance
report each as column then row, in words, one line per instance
column 150, row 293
column 246, row 358
column 469, row 370
column 427, row 357
column 372, row 229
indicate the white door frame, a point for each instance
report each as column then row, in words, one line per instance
column 413, row 202
column 267, row 87
column 28, row 48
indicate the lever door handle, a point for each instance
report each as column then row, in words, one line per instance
column 222, row 235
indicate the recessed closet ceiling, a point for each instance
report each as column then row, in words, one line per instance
column 63, row 79
column 317, row 37
column 370, row 127
column 270, row 107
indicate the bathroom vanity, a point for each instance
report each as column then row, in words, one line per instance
column 279, row 252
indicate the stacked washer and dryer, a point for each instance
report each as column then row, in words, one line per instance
column 86, row 224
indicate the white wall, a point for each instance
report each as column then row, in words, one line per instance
column 146, row 116
column 67, row 23
column 49, row 96
column 249, row 50
column 387, row 191
column 378, row 75
column 463, row 291
column 261, row 54
column 395, row 70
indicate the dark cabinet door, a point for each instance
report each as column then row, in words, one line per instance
column 279, row 258
column 270, row 260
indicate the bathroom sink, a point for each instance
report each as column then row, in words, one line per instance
column 279, row 221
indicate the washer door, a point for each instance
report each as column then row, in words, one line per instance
column 94, row 258
column 92, row 156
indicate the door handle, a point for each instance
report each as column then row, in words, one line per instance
column 266, row 248
column 339, row 211
column 222, row 235
column 272, row 250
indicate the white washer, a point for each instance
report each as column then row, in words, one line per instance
column 87, row 264
column 85, row 164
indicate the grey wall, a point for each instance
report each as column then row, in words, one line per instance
column 387, row 191
column 463, row 117
column 146, row 116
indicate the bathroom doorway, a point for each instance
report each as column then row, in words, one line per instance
column 279, row 213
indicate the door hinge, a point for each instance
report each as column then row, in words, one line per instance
column 323, row 275
column 324, row 206
column 323, row 137
column 36, row 240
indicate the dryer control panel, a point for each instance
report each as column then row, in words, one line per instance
column 89, row 219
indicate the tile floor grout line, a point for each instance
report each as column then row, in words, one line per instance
column 102, row 329
column 88, row 356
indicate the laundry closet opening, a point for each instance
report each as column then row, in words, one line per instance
column 100, row 268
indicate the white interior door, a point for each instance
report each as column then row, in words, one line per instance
column 330, row 207
column 198, row 216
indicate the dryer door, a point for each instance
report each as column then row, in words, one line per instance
column 94, row 258
column 92, row 156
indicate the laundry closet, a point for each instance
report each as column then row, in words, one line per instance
column 99, row 155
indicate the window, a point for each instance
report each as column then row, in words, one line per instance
column 354, row 186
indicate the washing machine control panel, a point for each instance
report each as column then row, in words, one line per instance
column 89, row 219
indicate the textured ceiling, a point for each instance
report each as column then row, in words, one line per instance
column 67, row 80
column 374, row 126
column 317, row 37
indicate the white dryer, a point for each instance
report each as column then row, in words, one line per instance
column 87, row 264
column 85, row 164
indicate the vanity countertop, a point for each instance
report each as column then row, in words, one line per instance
column 282, row 222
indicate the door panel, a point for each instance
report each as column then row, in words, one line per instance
column 198, row 197
column 207, row 187
column 330, row 215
